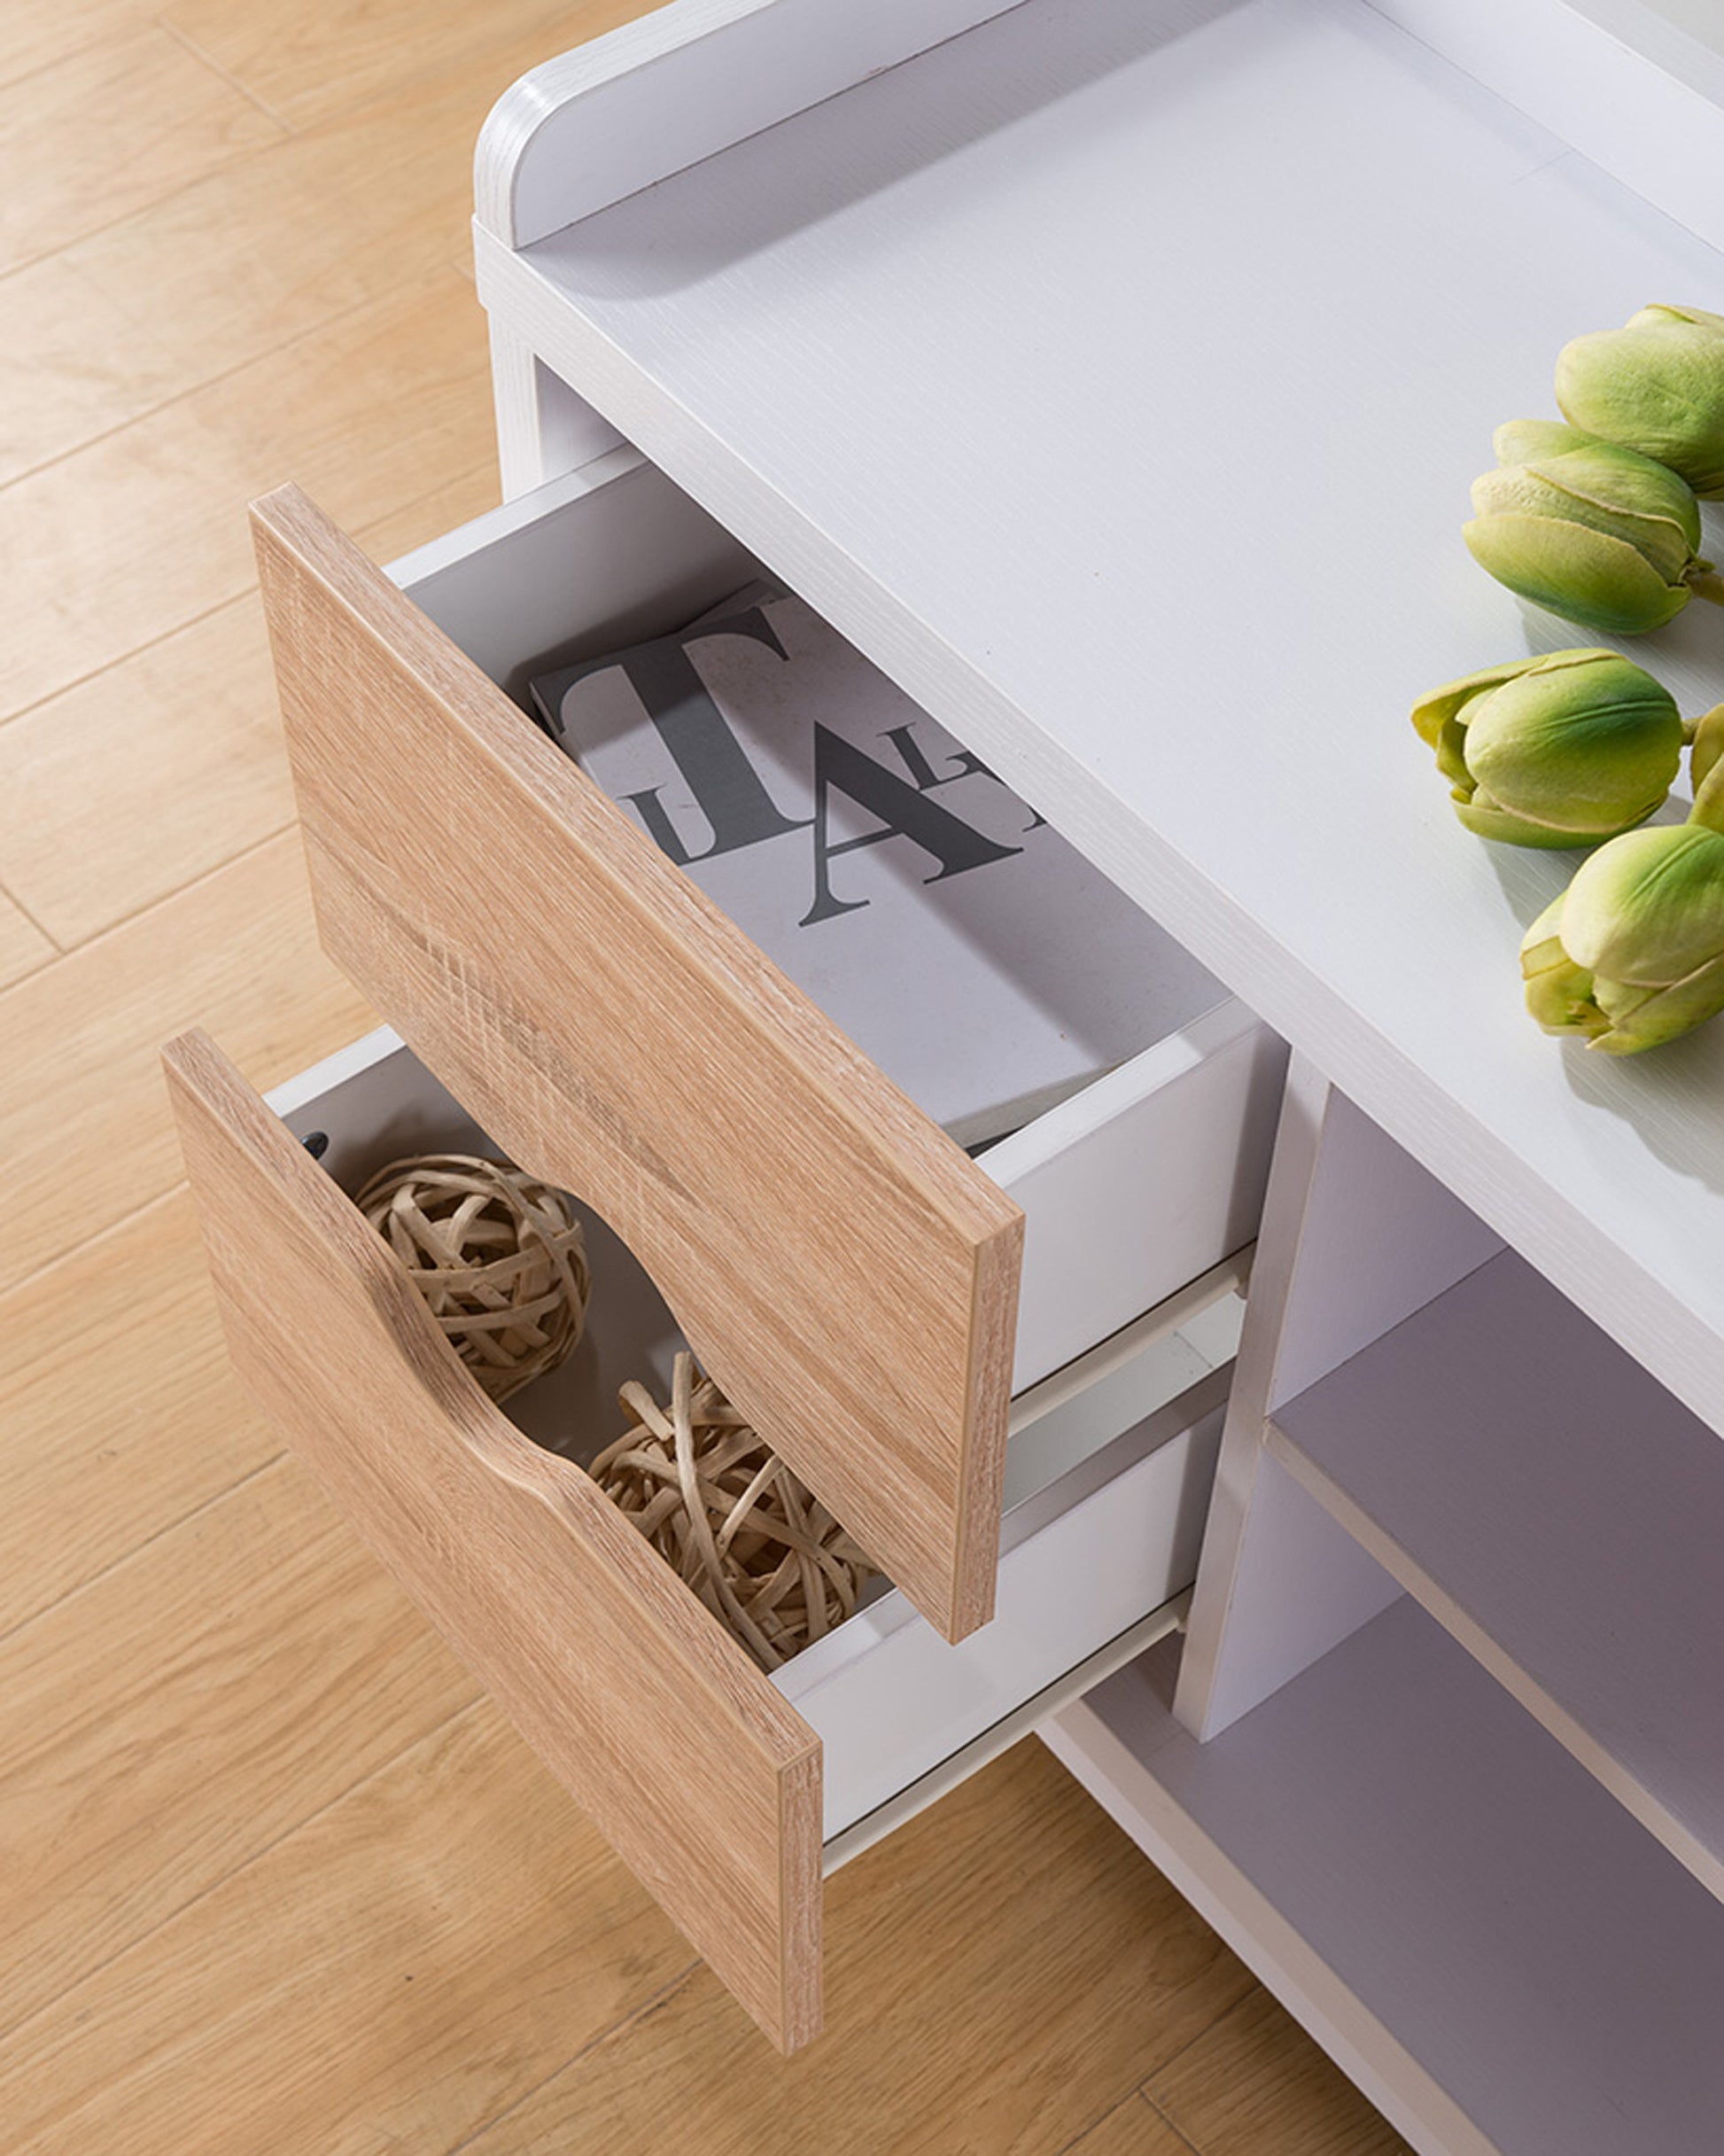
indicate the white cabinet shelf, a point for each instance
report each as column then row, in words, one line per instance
column 1113, row 375
column 1494, row 1950
column 1560, row 1514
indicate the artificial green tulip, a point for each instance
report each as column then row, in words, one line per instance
column 1601, row 534
column 1564, row 750
column 1632, row 954
column 1655, row 385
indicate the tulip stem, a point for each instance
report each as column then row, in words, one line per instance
column 1707, row 584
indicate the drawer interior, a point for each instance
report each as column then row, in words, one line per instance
column 375, row 1102
column 617, row 554
column 1131, row 1185
column 1129, row 1432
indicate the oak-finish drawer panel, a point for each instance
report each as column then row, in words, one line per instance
column 706, row 1782
column 705, row 1774
column 844, row 1272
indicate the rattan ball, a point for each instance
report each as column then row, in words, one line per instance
column 497, row 1255
column 755, row 1543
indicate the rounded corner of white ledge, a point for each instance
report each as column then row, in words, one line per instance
column 504, row 141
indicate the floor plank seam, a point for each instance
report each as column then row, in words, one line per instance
column 168, row 1527
column 1208, row 2029
column 245, row 1864
column 617, row 2028
column 178, row 891
column 167, row 897
column 50, row 1266
column 84, row 50
column 41, row 929
column 237, row 598
column 1168, row 2123
column 82, row 681
column 190, row 46
column 192, row 389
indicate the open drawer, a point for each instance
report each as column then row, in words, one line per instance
column 705, row 1774
column 848, row 1275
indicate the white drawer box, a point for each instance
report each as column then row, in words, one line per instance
column 727, row 1790
column 847, row 1274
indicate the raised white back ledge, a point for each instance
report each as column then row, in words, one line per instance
column 1113, row 375
column 1499, row 1957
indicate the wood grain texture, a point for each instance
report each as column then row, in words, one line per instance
column 122, row 1414
column 149, row 514
column 1256, row 2081
column 691, row 1765
column 386, row 1979
column 163, row 766
column 1001, row 1970
column 313, row 60
column 1134, row 2128
column 222, row 1685
column 85, row 1130
column 848, row 1276
column 146, row 776
column 23, row 947
column 276, row 244
column 35, row 33
column 437, row 1940
column 110, row 129
column 73, row 364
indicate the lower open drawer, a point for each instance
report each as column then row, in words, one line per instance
column 728, row 1791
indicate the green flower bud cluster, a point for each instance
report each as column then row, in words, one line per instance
column 1598, row 518
column 1632, row 954
column 1576, row 748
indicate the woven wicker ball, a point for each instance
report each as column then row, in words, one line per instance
column 497, row 1255
column 755, row 1543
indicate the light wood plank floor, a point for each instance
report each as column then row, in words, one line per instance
column 274, row 1876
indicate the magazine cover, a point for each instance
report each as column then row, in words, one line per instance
column 974, row 954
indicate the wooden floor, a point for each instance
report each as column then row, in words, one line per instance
column 273, row 1876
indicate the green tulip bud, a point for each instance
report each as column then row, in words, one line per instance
column 1599, row 533
column 1655, row 385
column 1704, row 757
column 1559, row 751
column 1632, row 954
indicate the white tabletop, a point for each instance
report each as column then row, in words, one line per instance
column 1121, row 397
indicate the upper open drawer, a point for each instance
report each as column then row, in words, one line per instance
column 848, row 1275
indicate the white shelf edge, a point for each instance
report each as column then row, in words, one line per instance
column 1383, row 2070
column 1480, row 2001
column 1568, row 1545
column 1570, row 1732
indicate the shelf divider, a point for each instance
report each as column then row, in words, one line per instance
column 1500, row 1958
column 1559, row 1514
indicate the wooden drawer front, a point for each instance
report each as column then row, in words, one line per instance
column 847, row 1274
column 706, row 1775
column 705, row 1781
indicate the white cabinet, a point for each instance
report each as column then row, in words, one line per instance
column 1111, row 374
